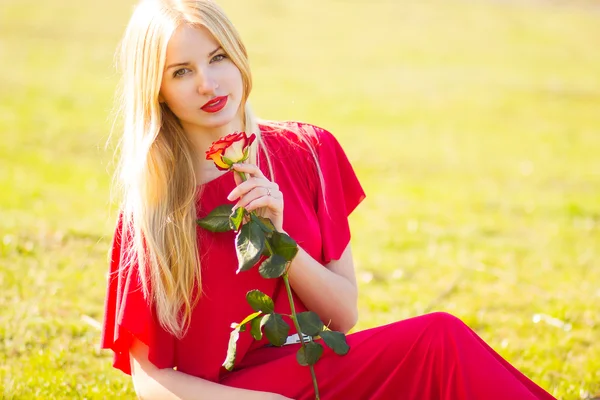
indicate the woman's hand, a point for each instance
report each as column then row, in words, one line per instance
column 258, row 192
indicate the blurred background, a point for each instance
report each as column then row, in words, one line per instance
column 474, row 126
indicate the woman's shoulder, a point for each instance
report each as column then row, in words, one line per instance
column 294, row 150
column 295, row 135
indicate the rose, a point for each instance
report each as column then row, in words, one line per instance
column 258, row 242
column 231, row 149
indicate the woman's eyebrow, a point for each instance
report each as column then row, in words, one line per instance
column 214, row 51
column 181, row 64
column 178, row 65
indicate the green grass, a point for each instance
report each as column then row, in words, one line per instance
column 473, row 125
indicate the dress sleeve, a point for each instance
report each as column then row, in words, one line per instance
column 343, row 192
column 127, row 313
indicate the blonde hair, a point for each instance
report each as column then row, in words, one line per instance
column 156, row 173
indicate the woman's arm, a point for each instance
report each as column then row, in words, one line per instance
column 330, row 292
column 151, row 382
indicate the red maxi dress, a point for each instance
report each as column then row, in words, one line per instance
column 434, row 356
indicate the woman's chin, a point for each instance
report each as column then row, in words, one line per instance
column 219, row 120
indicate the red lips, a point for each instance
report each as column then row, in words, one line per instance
column 215, row 105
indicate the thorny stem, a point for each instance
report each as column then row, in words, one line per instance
column 268, row 246
column 300, row 335
column 242, row 175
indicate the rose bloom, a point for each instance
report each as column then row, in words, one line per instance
column 230, row 150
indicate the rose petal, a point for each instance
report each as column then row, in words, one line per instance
column 235, row 152
column 217, row 157
column 233, row 147
column 210, row 153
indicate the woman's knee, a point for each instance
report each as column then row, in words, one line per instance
column 446, row 322
column 438, row 326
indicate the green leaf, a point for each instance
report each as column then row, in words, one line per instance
column 311, row 355
column 250, row 243
column 310, row 323
column 250, row 317
column 264, row 320
column 283, row 245
column 266, row 252
column 272, row 267
column 217, row 220
column 260, row 301
column 236, row 218
column 265, row 223
column 242, row 325
column 255, row 328
column 276, row 329
column 336, row 341
column 231, row 350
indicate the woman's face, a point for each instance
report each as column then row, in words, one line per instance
column 200, row 84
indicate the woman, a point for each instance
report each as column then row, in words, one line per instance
column 173, row 291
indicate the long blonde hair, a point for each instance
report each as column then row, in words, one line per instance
column 156, row 173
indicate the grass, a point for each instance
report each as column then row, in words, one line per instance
column 473, row 126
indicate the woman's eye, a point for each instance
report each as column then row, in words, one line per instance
column 218, row 57
column 180, row 72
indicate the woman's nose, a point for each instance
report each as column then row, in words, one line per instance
column 206, row 83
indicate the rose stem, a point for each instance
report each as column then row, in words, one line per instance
column 242, row 175
column 295, row 320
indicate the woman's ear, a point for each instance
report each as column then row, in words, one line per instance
column 161, row 99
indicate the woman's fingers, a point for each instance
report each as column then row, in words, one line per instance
column 256, row 178
column 258, row 192
column 251, row 169
column 253, row 195
column 263, row 201
column 250, row 184
column 238, row 179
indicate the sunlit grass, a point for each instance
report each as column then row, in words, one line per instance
column 473, row 126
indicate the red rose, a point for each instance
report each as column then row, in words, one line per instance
column 230, row 150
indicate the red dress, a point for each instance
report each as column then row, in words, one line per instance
column 434, row 356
